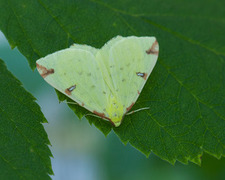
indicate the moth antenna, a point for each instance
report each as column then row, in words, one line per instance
column 70, row 102
column 95, row 116
column 137, row 110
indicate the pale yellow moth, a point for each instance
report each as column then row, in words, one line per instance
column 105, row 81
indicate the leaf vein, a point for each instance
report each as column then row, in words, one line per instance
column 23, row 30
column 57, row 21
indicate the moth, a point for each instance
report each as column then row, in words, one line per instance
column 105, row 81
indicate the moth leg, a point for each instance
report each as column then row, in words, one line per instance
column 137, row 110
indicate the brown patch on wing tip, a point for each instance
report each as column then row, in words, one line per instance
column 70, row 89
column 44, row 72
column 128, row 108
column 82, row 104
column 67, row 92
column 153, row 49
column 143, row 75
column 102, row 115
column 138, row 92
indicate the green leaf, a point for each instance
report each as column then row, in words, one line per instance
column 185, row 92
column 24, row 151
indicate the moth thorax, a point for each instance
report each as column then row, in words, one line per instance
column 115, row 111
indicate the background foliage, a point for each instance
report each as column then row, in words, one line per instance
column 185, row 90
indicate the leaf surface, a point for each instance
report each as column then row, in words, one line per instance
column 185, row 91
column 24, row 151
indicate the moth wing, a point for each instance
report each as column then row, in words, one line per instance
column 102, row 57
column 75, row 73
column 85, row 47
column 131, row 61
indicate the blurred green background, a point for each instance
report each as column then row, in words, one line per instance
column 82, row 152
